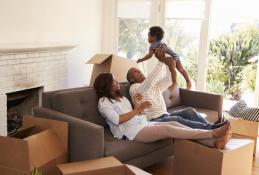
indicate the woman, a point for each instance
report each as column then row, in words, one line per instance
column 125, row 122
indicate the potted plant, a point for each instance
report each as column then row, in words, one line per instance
column 36, row 171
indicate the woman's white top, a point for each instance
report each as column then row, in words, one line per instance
column 111, row 110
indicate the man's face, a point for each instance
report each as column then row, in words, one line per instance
column 136, row 75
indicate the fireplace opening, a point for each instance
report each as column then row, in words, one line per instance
column 20, row 103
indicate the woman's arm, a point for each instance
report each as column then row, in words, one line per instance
column 108, row 111
column 125, row 117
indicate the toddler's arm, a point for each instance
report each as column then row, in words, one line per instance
column 148, row 56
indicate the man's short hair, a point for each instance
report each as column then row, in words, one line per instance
column 129, row 77
column 156, row 31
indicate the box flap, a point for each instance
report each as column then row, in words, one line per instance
column 44, row 147
column 13, row 171
column 234, row 144
column 59, row 127
column 243, row 127
column 109, row 165
column 98, row 58
column 132, row 170
column 14, row 153
column 120, row 67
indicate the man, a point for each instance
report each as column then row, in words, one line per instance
column 151, row 89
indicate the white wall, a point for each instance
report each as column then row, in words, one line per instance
column 76, row 21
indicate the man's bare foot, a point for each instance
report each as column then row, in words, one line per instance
column 188, row 85
column 222, row 131
column 221, row 142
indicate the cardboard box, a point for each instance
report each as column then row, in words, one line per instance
column 195, row 159
column 102, row 166
column 116, row 65
column 244, row 129
column 44, row 146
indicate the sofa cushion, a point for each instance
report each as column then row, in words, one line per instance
column 172, row 99
column 80, row 103
column 125, row 150
column 124, row 89
column 210, row 115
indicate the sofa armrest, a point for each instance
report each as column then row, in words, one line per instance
column 204, row 100
column 86, row 140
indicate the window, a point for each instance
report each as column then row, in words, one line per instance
column 183, row 20
column 182, row 32
column 133, row 23
column 233, row 51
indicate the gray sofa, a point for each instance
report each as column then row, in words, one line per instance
column 90, row 137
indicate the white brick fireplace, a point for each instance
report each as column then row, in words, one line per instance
column 28, row 66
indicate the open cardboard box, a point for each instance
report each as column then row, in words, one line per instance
column 116, row 65
column 244, row 129
column 102, row 166
column 44, row 146
column 192, row 158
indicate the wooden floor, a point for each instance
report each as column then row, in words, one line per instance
column 166, row 167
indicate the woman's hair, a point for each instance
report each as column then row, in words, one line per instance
column 157, row 31
column 103, row 86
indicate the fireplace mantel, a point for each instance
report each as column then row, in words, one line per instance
column 34, row 47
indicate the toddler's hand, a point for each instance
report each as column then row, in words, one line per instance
column 139, row 60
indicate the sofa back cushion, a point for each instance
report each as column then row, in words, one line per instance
column 172, row 99
column 82, row 103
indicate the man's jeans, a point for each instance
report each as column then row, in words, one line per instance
column 188, row 117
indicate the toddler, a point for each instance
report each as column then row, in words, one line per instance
column 155, row 37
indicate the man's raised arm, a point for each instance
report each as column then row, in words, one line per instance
column 153, row 78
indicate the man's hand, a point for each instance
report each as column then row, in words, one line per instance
column 160, row 54
column 140, row 106
column 137, row 98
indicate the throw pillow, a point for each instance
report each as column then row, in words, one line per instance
column 251, row 114
column 240, row 110
column 235, row 110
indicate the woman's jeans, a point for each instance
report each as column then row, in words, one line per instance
column 188, row 117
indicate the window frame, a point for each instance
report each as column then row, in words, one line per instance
column 157, row 17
